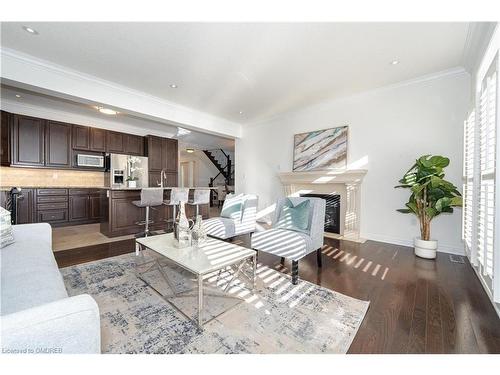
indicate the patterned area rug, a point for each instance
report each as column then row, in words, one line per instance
column 277, row 318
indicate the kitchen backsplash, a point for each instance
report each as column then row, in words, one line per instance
column 31, row 177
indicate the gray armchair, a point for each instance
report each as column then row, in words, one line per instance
column 292, row 244
column 241, row 220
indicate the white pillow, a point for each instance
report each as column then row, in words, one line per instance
column 6, row 235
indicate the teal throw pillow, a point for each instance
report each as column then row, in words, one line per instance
column 295, row 217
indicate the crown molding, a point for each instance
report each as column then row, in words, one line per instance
column 476, row 42
column 25, row 71
column 414, row 81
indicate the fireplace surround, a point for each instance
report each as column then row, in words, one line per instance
column 346, row 183
column 332, row 212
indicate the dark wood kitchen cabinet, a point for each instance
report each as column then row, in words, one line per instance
column 95, row 207
column 170, row 154
column 154, row 153
column 28, row 146
column 162, row 154
column 57, row 145
column 26, row 207
column 97, row 140
column 81, row 137
column 133, row 145
column 79, row 206
column 114, row 142
column 5, row 126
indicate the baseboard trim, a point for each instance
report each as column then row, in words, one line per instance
column 442, row 247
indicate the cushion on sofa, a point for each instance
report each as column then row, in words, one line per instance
column 29, row 272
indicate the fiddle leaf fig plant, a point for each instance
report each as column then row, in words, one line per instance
column 431, row 194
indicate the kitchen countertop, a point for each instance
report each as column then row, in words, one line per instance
column 7, row 188
column 164, row 188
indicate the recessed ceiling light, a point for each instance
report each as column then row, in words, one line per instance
column 190, row 150
column 30, row 30
column 107, row 111
column 241, row 112
column 18, row 96
column 173, row 85
column 395, row 62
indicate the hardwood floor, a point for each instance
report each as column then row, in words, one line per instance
column 416, row 305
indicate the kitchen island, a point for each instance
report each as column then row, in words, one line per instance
column 119, row 215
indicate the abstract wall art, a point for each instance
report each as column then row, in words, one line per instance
column 320, row 150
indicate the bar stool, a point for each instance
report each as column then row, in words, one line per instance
column 150, row 197
column 177, row 195
column 201, row 196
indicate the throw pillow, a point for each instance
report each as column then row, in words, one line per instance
column 6, row 235
column 232, row 208
column 294, row 217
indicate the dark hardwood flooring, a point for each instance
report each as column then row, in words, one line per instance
column 416, row 305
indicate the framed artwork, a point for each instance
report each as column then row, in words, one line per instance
column 320, row 150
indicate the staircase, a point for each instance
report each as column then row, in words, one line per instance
column 223, row 163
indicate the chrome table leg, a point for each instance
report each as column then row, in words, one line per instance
column 200, row 300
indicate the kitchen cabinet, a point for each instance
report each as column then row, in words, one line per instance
column 26, row 207
column 28, row 146
column 79, row 207
column 114, row 142
column 5, row 138
column 154, row 154
column 81, row 137
column 97, row 140
column 57, row 145
column 95, row 207
column 133, row 145
column 162, row 155
column 170, row 155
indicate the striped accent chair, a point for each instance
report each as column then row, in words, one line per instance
column 292, row 244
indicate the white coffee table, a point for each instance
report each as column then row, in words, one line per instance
column 214, row 255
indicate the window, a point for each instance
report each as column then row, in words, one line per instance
column 468, row 185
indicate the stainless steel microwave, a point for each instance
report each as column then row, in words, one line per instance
column 94, row 161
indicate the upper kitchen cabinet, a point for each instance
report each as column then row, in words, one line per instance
column 97, row 140
column 154, row 153
column 114, row 142
column 28, row 146
column 57, row 144
column 81, row 137
column 5, row 135
column 133, row 145
column 170, row 155
column 86, row 138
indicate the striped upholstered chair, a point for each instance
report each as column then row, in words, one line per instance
column 294, row 244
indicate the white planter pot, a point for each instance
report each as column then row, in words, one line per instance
column 425, row 249
column 132, row 184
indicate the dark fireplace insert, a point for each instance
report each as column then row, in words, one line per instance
column 332, row 213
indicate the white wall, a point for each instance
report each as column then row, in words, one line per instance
column 388, row 129
column 203, row 168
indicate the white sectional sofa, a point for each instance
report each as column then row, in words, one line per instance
column 37, row 316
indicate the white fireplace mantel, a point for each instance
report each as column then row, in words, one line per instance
column 341, row 176
column 317, row 181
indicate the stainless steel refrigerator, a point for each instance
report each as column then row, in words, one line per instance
column 126, row 171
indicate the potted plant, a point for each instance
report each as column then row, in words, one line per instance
column 132, row 181
column 431, row 195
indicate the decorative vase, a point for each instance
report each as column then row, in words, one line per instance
column 132, row 183
column 425, row 249
column 182, row 229
column 198, row 233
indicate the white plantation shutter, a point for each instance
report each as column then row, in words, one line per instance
column 468, row 185
column 487, row 135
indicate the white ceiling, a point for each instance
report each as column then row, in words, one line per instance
column 260, row 69
column 35, row 104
